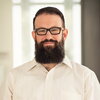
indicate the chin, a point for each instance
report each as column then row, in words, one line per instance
column 49, row 46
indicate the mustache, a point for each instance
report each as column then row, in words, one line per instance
column 51, row 40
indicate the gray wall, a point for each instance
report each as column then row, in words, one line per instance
column 91, row 35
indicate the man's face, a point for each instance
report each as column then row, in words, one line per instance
column 49, row 48
column 48, row 21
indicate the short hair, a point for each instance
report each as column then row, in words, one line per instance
column 49, row 10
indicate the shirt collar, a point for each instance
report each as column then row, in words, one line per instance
column 67, row 62
column 33, row 63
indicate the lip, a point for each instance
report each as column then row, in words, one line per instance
column 48, row 43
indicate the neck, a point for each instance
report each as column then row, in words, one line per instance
column 49, row 66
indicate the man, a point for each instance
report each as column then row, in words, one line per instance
column 51, row 75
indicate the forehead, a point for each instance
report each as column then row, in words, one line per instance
column 48, row 20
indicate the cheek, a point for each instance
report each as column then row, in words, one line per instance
column 54, row 37
column 58, row 38
column 39, row 38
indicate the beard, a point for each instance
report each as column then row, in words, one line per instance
column 49, row 54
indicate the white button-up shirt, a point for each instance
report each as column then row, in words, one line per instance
column 66, row 81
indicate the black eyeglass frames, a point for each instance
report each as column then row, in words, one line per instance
column 52, row 30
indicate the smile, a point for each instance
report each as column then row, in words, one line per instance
column 48, row 43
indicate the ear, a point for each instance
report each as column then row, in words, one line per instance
column 65, row 33
column 33, row 35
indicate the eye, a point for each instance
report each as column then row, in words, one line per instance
column 55, row 30
column 41, row 31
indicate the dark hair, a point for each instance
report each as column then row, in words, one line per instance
column 49, row 10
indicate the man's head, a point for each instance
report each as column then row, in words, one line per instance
column 49, row 34
column 51, row 11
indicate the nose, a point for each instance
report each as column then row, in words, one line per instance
column 49, row 35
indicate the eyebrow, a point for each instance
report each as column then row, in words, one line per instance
column 49, row 27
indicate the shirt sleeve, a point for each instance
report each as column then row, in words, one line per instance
column 92, row 87
column 8, row 93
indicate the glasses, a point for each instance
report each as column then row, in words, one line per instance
column 52, row 30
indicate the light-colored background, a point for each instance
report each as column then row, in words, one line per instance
column 17, row 46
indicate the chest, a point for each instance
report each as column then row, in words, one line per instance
column 62, row 86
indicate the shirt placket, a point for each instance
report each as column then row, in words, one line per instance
column 48, row 91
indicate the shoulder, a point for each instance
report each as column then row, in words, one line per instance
column 80, row 67
column 82, row 70
column 77, row 68
column 24, row 68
